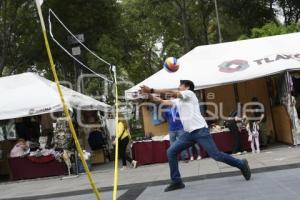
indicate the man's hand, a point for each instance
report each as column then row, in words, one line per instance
column 145, row 89
column 157, row 99
column 154, row 98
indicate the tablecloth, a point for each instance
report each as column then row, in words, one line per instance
column 28, row 168
column 151, row 152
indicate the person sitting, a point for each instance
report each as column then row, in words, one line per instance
column 20, row 149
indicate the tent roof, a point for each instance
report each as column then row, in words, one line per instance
column 224, row 63
column 29, row 94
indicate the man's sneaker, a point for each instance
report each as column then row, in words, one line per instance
column 134, row 164
column 199, row 158
column 246, row 170
column 174, row 186
column 192, row 158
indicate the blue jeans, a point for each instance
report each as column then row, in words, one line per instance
column 204, row 139
column 175, row 135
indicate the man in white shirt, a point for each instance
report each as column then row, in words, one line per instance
column 196, row 132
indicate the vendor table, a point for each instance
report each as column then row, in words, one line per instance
column 36, row 167
column 225, row 142
column 150, row 152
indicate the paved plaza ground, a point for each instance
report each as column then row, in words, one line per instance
column 276, row 176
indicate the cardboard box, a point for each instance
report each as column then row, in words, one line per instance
column 98, row 157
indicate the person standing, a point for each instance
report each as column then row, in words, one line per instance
column 198, row 151
column 124, row 138
column 196, row 132
column 234, row 130
column 260, row 119
column 175, row 127
column 253, row 132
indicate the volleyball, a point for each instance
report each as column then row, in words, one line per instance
column 171, row 64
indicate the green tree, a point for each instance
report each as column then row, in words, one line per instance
column 241, row 16
column 290, row 10
column 20, row 37
column 95, row 19
column 271, row 29
column 135, row 35
column 140, row 34
column 176, row 27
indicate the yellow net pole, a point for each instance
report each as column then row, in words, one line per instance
column 116, row 173
column 65, row 107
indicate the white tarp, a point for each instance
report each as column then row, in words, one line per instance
column 225, row 63
column 29, row 94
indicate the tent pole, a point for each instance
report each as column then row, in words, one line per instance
column 236, row 93
column 270, row 87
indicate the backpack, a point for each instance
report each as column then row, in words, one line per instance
column 96, row 140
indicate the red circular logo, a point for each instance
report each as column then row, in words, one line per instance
column 233, row 66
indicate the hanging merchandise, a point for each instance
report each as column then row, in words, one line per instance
column 11, row 133
column 110, row 125
column 62, row 135
column 295, row 121
column 66, row 155
column 2, row 134
column 43, row 141
column 290, row 104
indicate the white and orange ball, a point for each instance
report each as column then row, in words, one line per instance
column 171, row 64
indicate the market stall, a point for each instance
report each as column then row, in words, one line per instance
column 33, row 131
column 234, row 72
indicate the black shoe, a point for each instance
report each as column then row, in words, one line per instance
column 246, row 170
column 174, row 186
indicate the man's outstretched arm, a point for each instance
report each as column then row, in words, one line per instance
column 160, row 101
column 172, row 93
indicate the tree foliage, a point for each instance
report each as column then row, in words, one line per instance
column 290, row 10
column 134, row 35
column 272, row 29
column 20, row 39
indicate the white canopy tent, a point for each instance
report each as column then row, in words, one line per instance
column 220, row 64
column 29, row 94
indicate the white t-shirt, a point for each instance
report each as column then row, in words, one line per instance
column 189, row 111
